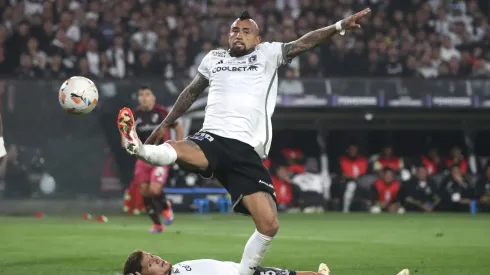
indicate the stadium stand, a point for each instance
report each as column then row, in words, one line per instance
column 121, row 39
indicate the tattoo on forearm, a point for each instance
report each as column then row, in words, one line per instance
column 186, row 98
column 307, row 42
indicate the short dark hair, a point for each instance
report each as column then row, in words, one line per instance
column 133, row 262
column 145, row 87
column 245, row 15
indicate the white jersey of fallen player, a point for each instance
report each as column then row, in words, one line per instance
column 242, row 94
column 205, row 267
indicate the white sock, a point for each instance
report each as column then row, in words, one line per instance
column 254, row 252
column 163, row 154
column 349, row 195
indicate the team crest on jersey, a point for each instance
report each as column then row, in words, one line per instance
column 252, row 59
column 284, row 272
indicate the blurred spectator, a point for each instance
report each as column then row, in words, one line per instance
column 352, row 166
column 387, row 159
column 283, row 186
column 399, row 37
column 420, row 193
column 146, row 38
column 120, row 60
column 385, row 193
column 290, row 85
column 483, row 189
column 456, row 158
column 432, row 161
column 456, row 191
column 56, row 69
column 27, row 70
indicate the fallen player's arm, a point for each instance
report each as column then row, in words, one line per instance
column 186, row 98
column 316, row 37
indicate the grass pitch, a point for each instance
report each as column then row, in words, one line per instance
column 353, row 244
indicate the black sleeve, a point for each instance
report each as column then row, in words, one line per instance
column 273, row 271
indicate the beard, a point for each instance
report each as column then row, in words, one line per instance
column 239, row 51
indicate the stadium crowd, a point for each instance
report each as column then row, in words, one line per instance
column 131, row 38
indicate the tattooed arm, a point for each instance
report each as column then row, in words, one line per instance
column 184, row 101
column 307, row 42
column 316, row 37
column 186, row 98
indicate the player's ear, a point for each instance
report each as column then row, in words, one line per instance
column 258, row 39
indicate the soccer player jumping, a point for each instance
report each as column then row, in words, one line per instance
column 237, row 131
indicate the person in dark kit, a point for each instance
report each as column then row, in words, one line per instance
column 456, row 191
column 352, row 166
column 420, row 193
column 152, row 178
column 385, row 193
column 483, row 190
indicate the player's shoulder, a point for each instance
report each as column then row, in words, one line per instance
column 267, row 46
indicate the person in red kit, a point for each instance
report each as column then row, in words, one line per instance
column 149, row 178
column 456, row 158
column 388, row 159
column 352, row 166
column 433, row 162
column 385, row 193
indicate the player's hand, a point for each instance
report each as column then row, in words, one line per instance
column 350, row 22
column 157, row 135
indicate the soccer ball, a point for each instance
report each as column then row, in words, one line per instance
column 78, row 95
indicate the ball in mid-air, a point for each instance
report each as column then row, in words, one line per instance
column 78, row 95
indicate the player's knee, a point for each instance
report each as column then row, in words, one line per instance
column 144, row 190
column 155, row 189
column 268, row 226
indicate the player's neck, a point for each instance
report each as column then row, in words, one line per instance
column 233, row 54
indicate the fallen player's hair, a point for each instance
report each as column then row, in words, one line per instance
column 245, row 15
column 133, row 262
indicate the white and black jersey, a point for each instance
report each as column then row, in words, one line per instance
column 242, row 94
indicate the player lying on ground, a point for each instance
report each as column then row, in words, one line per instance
column 150, row 178
column 143, row 263
column 237, row 130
